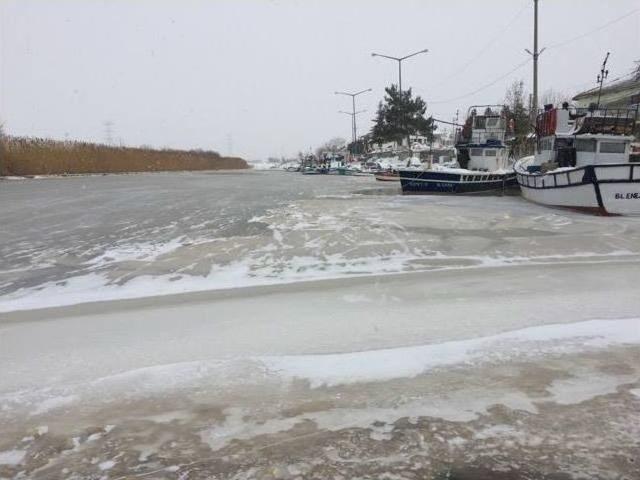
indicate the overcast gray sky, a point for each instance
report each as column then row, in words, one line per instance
column 259, row 76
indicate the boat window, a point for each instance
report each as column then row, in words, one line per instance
column 476, row 152
column 492, row 122
column 562, row 143
column 585, row 145
column 545, row 143
column 612, row 147
column 489, row 153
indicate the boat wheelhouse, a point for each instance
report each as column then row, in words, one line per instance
column 582, row 161
column 483, row 159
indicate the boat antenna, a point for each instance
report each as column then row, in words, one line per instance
column 604, row 73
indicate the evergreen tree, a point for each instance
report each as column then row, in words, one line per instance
column 400, row 115
column 517, row 109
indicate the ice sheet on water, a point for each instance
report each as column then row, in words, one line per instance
column 95, row 287
column 356, row 367
column 387, row 364
column 324, row 238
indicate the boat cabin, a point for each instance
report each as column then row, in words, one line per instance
column 488, row 157
column 580, row 137
column 483, row 137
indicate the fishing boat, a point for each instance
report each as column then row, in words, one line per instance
column 483, row 166
column 315, row 170
column 387, row 176
column 582, row 161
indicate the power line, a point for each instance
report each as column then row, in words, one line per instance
column 595, row 30
column 484, row 87
column 607, row 83
column 555, row 45
column 500, row 35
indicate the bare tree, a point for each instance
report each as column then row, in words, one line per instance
column 554, row 97
column 331, row 146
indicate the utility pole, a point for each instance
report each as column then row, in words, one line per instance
column 604, row 73
column 455, row 134
column 108, row 132
column 400, row 60
column 354, row 130
column 229, row 144
column 535, row 54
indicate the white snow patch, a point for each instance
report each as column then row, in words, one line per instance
column 94, row 436
column 107, row 465
column 169, row 417
column 387, row 364
column 456, row 407
column 357, row 298
column 12, row 457
column 580, row 389
column 147, row 251
column 53, row 403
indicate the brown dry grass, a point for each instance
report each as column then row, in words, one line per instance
column 38, row 156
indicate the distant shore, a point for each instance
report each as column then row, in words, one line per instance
column 9, row 178
column 29, row 157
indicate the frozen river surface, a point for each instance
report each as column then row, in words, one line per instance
column 275, row 325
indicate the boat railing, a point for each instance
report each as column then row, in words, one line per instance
column 605, row 173
column 613, row 121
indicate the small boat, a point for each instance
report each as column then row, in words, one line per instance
column 483, row 166
column 582, row 161
column 387, row 176
column 315, row 171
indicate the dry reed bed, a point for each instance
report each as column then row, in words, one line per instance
column 39, row 156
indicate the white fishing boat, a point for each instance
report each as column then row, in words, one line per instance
column 582, row 161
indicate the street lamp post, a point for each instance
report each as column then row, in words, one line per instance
column 353, row 123
column 400, row 60
column 354, row 130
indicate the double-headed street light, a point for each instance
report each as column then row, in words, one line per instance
column 354, row 130
column 400, row 60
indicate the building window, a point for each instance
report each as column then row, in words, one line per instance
column 585, row 145
column 476, row 152
column 612, row 147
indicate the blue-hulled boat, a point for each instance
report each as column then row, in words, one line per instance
column 483, row 160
